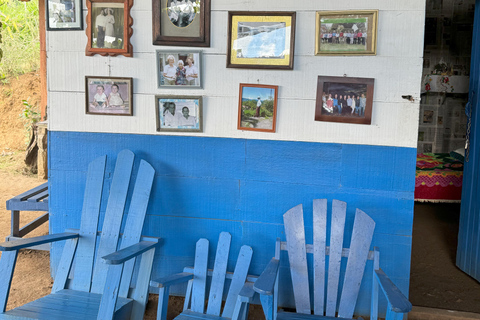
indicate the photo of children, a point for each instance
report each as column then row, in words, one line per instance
column 110, row 96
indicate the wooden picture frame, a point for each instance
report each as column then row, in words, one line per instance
column 62, row 15
column 333, row 95
column 109, row 96
column 275, row 30
column 109, row 28
column 181, row 23
column 179, row 113
column 257, row 107
column 346, row 32
column 171, row 76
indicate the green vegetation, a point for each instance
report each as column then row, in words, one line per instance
column 20, row 39
column 250, row 107
column 30, row 117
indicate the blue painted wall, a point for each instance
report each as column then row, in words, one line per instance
column 207, row 185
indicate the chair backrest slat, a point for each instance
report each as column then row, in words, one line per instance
column 135, row 219
column 362, row 235
column 113, row 217
column 239, row 277
column 200, row 276
column 339, row 209
column 218, row 276
column 297, row 256
column 319, row 245
column 88, row 226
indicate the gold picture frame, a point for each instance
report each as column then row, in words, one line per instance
column 346, row 32
column 275, row 31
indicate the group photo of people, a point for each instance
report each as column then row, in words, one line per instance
column 182, row 12
column 179, row 69
column 107, row 29
column 179, row 114
column 342, row 100
column 339, row 35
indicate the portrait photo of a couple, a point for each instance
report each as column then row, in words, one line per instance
column 179, row 114
column 107, row 29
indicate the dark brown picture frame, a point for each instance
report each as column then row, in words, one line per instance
column 107, row 106
column 126, row 30
column 330, row 89
column 249, row 21
column 163, row 37
column 254, row 102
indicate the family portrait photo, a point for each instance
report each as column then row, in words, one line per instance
column 179, row 113
column 261, row 41
column 107, row 26
column 110, row 96
column 182, row 12
column 64, row 15
column 179, row 69
column 342, row 99
column 257, row 107
column 346, row 32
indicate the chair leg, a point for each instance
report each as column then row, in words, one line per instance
column 7, row 265
column 162, row 309
column 267, row 305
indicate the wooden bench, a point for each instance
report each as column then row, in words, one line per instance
column 35, row 199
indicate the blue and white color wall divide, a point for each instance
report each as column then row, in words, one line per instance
column 243, row 181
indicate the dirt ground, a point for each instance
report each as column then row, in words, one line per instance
column 435, row 281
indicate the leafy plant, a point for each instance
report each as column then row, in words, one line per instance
column 30, row 117
column 20, row 37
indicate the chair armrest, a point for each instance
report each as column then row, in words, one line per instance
column 129, row 252
column 395, row 297
column 247, row 292
column 35, row 241
column 266, row 281
column 171, row 279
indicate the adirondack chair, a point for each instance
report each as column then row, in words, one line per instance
column 194, row 306
column 99, row 289
column 357, row 255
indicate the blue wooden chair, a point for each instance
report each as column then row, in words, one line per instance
column 325, row 295
column 94, row 280
column 194, row 306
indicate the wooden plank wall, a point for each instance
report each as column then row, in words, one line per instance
column 396, row 68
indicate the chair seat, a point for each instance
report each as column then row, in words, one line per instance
column 189, row 315
column 281, row 315
column 76, row 304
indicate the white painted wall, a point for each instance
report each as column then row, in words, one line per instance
column 397, row 70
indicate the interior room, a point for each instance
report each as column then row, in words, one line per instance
column 436, row 281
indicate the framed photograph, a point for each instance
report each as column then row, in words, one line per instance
column 342, row 99
column 179, row 69
column 179, row 113
column 109, row 95
column 261, row 40
column 257, row 107
column 346, row 32
column 181, row 23
column 64, row 15
column 109, row 27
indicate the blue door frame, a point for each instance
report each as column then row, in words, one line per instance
column 468, row 250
